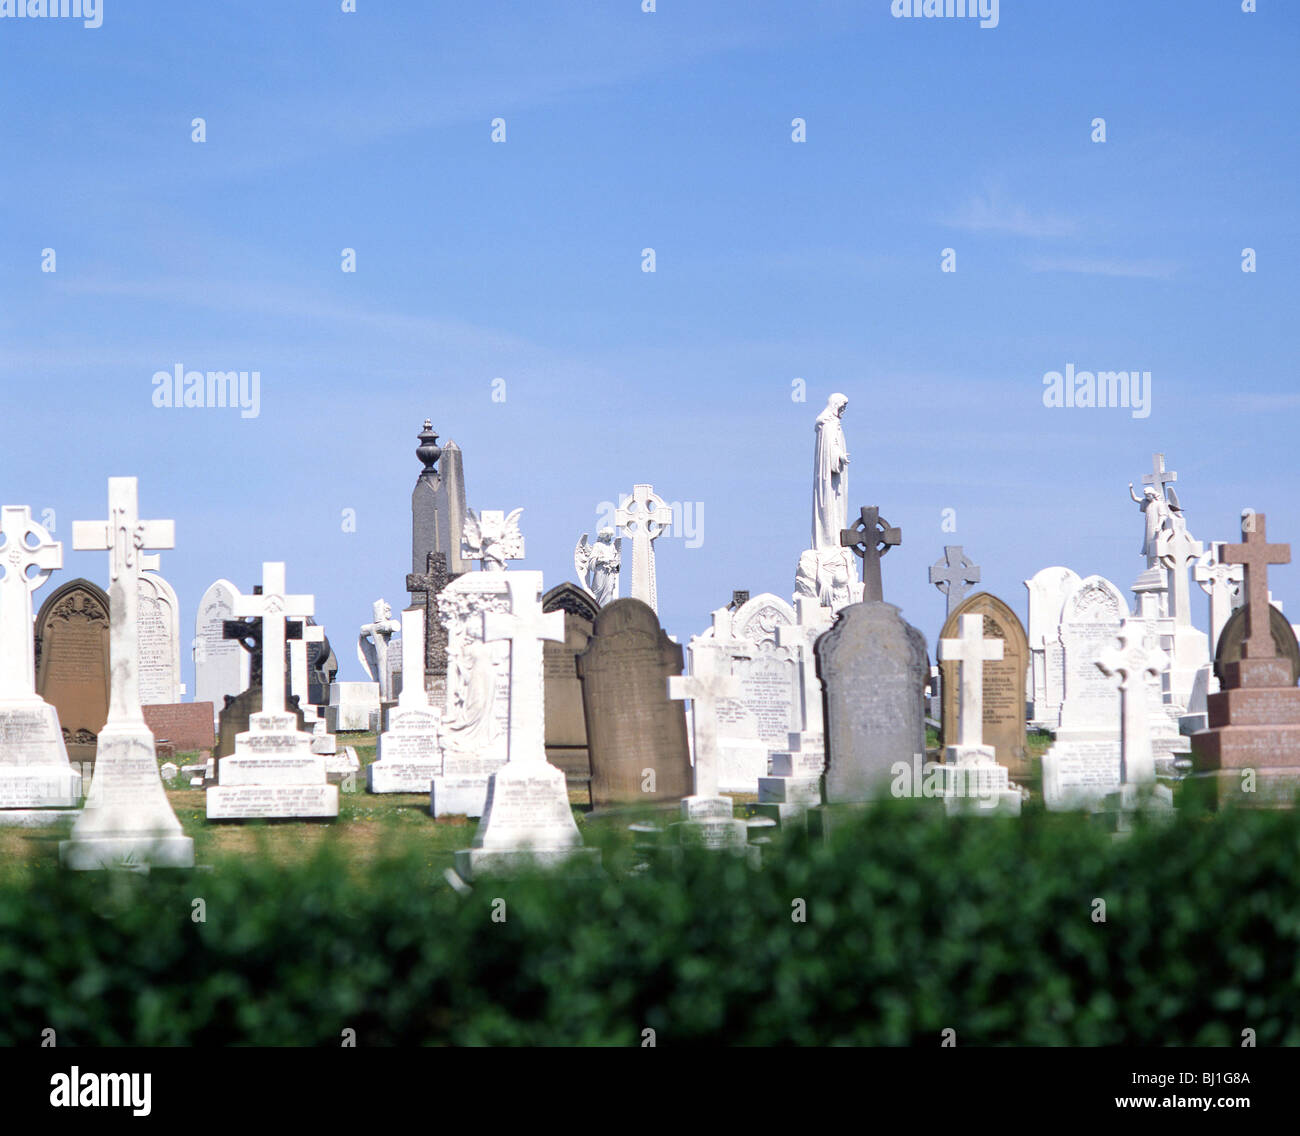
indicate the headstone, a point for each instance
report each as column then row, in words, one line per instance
column 220, row 666
column 353, row 707
column 974, row 781
column 874, row 666
column 1133, row 661
column 795, row 782
column 566, row 723
column 72, row 671
column 476, row 712
column 160, row 641
column 1189, row 648
column 527, row 818
column 1250, row 755
column 187, row 725
column 437, row 505
column 273, row 771
column 1083, row 765
column 954, row 574
column 1003, row 726
column 1234, row 634
column 1221, row 584
column 643, row 517
column 407, row 756
column 300, row 652
column 1047, row 593
column 1164, row 711
column 36, row 781
column 236, row 718
column 870, row 538
column 128, row 821
column 758, row 722
column 708, row 818
column 635, row 734
column 425, row 588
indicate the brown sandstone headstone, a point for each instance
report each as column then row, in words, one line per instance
column 566, row 725
column 632, row 724
column 1004, row 681
column 72, row 667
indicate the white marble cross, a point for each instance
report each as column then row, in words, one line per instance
column 1222, row 583
column 972, row 650
column 381, row 629
column 799, row 637
column 643, row 516
column 707, row 685
column 1132, row 660
column 1159, row 477
column 273, row 607
column 1178, row 551
column 525, row 626
column 126, row 538
column 17, row 557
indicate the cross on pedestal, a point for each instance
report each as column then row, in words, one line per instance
column 954, row 574
column 1159, row 477
column 1255, row 554
column 972, row 650
column 708, row 683
column 1132, row 660
column 525, row 626
column 248, row 634
column 643, row 516
column 871, row 537
column 380, row 629
column 126, row 538
column 1178, row 551
column 17, row 557
column 427, row 587
column 273, row 607
column 1222, row 583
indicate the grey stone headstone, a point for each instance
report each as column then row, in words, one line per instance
column 874, row 667
column 438, row 505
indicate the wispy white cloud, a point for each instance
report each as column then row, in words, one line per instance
column 1104, row 266
column 989, row 213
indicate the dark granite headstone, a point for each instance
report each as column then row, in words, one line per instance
column 1004, row 681
column 72, row 664
column 234, row 717
column 632, row 724
column 566, row 725
column 425, row 588
column 1234, row 631
column 874, row 668
column 319, row 676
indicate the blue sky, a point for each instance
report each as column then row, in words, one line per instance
column 775, row 260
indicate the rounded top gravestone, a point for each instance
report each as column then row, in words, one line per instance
column 1234, row 631
column 1004, row 680
column 72, row 667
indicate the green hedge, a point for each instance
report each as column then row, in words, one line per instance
column 915, row 924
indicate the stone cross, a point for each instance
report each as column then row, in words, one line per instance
column 1178, row 551
column 425, row 589
column 381, row 629
column 18, row 556
column 1255, row 554
column 871, row 537
column 126, row 538
column 972, row 650
column 525, row 626
column 1222, row 583
column 413, row 696
column 954, row 574
column 644, row 516
column 708, row 683
column 273, row 607
column 1159, row 477
column 1133, row 660
column 811, row 621
column 248, row 634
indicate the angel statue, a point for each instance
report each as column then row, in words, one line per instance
column 372, row 647
column 492, row 537
column 1156, row 509
column 597, row 565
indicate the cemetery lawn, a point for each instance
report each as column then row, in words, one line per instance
column 368, row 825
